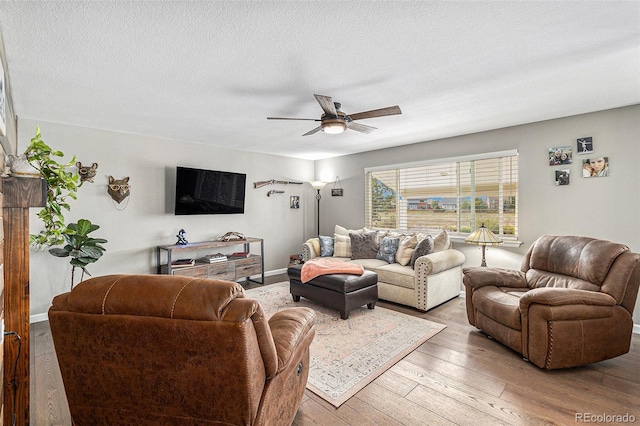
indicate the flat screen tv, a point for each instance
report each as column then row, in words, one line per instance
column 200, row 191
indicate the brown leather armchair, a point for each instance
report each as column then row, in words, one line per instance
column 571, row 303
column 175, row 350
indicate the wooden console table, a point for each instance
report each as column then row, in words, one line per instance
column 230, row 269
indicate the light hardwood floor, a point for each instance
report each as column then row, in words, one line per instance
column 458, row 377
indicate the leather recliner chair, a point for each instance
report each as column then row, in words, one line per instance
column 176, row 350
column 571, row 303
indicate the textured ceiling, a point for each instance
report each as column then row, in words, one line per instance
column 212, row 71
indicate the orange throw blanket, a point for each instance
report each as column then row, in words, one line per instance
column 325, row 266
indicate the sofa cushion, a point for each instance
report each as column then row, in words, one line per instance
column 364, row 245
column 405, row 249
column 425, row 246
column 315, row 243
column 326, row 245
column 441, row 241
column 388, row 249
column 500, row 304
column 396, row 274
column 342, row 246
column 369, row 264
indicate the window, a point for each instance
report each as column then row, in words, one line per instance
column 455, row 194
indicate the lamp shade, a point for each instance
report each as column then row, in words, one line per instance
column 318, row 184
column 484, row 237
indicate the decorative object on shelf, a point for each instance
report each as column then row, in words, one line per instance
column 182, row 239
column 562, row 176
column 595, row 167
column 273, row 191
column 118, row 189
column 86, row 173
column 262, row 183
column 61, row 185
column 19, row 166
column 560, row 155
column 585, row 145
column 336, row 191
column 294, row 201
column 318, row 185
column 232, row 236
column 82, row 249
column 483, row 237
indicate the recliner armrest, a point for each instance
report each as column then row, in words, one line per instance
column 551, row 296
column 439, row 261
column 291, row 328
column 481, row 276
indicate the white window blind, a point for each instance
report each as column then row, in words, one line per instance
column 457, row 195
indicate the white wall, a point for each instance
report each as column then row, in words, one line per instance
column 148, row 219
column 606, row 208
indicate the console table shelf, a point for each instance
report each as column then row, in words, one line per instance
column 231, row 269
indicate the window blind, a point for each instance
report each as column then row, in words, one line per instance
column 456, row 195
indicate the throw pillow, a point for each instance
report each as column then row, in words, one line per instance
column 441, row 241
column 326, row 245
column 315, row 243
column 341, row 230
column 342, row 246
column 405, row 249
column 364, row 245
column 388, row 249
column 424, row 247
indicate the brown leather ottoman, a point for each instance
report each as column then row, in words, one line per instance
column 342, row 292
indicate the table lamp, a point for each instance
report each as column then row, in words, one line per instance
column 483, row 237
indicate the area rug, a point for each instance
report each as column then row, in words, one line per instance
column 347, row 355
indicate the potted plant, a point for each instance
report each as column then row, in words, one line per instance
column 61, row 186
column 82, row 248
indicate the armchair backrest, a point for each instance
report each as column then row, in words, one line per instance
column 131, row 347
column 583, row 263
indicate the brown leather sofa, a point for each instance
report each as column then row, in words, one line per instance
column 570, row 304
column 175, row 350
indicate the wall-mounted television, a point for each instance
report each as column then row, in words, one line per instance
column 200, row 191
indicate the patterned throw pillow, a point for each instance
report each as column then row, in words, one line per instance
column 424, row 247
column 342, row 246
column 364, row 245
column 326, row 245
column 388, row 249
column 315, row 243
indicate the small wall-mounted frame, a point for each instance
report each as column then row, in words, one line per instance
column 563, row 176
column 336, row 191
column 595, row 167
column 585, row 145
column 294, row 201
column 560, row 155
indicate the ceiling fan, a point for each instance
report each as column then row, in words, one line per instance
column 334, row 121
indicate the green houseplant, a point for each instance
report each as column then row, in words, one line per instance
column 82, row 248
column 62, row 185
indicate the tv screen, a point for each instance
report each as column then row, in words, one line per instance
column 200, row 191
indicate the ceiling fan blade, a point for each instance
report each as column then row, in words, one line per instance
column 361, row 128
column 288, row 118
column 392, row 110
column 327, row 104
column 310, row 132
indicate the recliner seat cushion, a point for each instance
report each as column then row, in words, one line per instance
column 500, row 304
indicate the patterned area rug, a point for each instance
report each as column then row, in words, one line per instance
column 347, row 355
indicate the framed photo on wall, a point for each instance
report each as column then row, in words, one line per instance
column 595, row 167
column 560, row 155
column 563, row 176
column 585, row 145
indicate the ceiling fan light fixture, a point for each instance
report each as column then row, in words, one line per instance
column 333, row 126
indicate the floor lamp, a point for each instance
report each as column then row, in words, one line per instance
column 318, row 185
column 483, row 237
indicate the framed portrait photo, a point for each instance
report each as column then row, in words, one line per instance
column 595, row 167
column 560, row 155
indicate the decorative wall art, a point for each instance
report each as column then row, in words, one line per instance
column 336, row 191
column 3, row 103
column 86, row 173
column 560, row 155
column 118, row 189
column 595, row 167
column 585, row 145
column 294, row 201
column 562, row 176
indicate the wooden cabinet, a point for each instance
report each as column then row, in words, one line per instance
column 231, row 269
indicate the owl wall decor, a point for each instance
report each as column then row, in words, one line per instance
column 86, row 173
column 118, row 189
